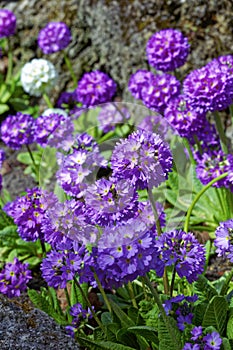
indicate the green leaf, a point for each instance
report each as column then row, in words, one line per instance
column 123, row 317
column 147, row 332
column 226, row 344
column 101, row 345
column 204, row 288
column 216, row 314
column 225, row 286
column 166, row 340
column 123, row 336
column 4, row 108
column 106, row 318
column 230, row 327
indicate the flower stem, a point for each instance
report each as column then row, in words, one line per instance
column 219, row 127
column 69, row 66
column 89, row 304
column 169, row 326
column 132, row 296
column 67, row 296
column 187, row 146
column 10, row 63
column 102, row 292
column 47, row 100
column 198, row 196
column 159, row 231
column 173, row 280
column 33, row 161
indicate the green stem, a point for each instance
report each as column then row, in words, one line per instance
column 47, row 100
column 231, row 112
column 69, row 66
column 43, row 248
column 173, row 280
column 169, row 326
column 187, row 146
column 10, row 63
column 33, row 161
column 219, row 127
column 197, row 197
column 159, row 231
column 102, row 291
column 106, row 137
column 132, row 296
column 89, row 304
column 198, row 144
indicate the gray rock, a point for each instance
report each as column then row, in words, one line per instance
column 25, row 328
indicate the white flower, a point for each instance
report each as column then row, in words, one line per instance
column 60, row 111
column 38, row 77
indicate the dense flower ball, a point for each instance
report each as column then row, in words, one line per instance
column 160, row 90
column 181, row 250
column 214, row 164
column 7, row 23
column 124, row 252
column 155, row 123
column 143, row 157
column 138, row 81
column 14, row 278
column 167, row 50
column 111, row 115
column 68, row 221
column 80, row 166
column 62, row 264
column 38, row 76
column 55, row 130
column 95, row 88
column 17, row 130
column 209, row 88
column 28, row 213
column 223, row 240
column 183, row 118
column 54, row 37
column 111, row 202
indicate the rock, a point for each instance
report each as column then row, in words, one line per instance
column 27, row 328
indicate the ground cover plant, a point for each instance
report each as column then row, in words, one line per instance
column 124, row 192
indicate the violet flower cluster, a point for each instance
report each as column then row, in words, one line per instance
column 18, row 130
column 80, row 315
column 14, row 278
column 199, row 340
column 167, row 50
column 111, row 115
column 182, row 307
column 223, row 240
column 95, row 88
column 7, row 23
column 54, row 37
column 144, row 158
column 183, row 251
column 28, row 213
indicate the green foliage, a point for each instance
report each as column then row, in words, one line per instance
column 101, row 345
column 48, row 302
column 166, row 340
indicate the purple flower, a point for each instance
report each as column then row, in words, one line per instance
column 167, row 50
column 2, row 157
column 17, row 130
column 110, row 116
column 111, row 202
column 212, row 165
column 95, row 88
column 183, row 118
column 146, row 215
column 124, row 252
column 68, row 221
column 143, row 157
column 223, row 240
column 160, row 90
column 54, row 130
column 28, row 212
column 139, row 80
column 183, row 251
column 208, row 88
column 155, row 124
column 197, row 333
column 79, row 167
column 213, row 341
column 181, row 307
column 66, row 98
column 14, row 278
column 62, row 264
column 7, row 23
column 54, row 37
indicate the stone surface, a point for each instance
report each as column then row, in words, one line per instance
column 26, row 328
